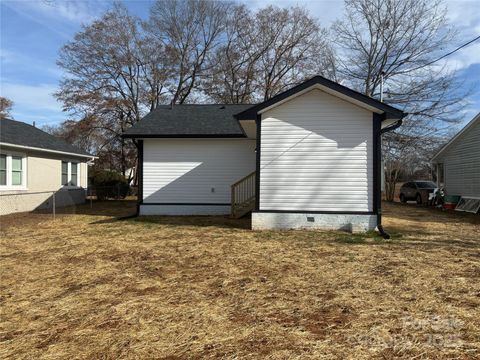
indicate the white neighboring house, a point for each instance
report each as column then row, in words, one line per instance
column 33, row 164
column 309, row 157
column 458, row 162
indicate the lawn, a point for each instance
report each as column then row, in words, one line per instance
column 87, row 285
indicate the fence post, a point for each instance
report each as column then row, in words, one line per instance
column 53, row 205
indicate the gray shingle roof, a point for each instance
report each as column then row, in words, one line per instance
column 188, row 120
column 19, row 133
column 390, row 111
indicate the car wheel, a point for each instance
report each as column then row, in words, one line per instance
column 419, row 199
column 402, row 198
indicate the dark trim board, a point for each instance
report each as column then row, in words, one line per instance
column 257, row 161
column 140, row 175
column 391, row 112
column 306, row 212
column 187, row 204
column 377, row 163
column 183, row 136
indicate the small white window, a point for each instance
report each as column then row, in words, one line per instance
column 3, row 170
column 13, row 171
column 74, row 174
column 70, row 173
column 16, row 170
column 64, row 173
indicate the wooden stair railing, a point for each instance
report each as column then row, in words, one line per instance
column 243, row 196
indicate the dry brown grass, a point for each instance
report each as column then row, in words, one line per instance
column 89, row 286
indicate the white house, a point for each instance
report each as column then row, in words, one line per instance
column 34, row 165
column 306, row 158
column 458, row 162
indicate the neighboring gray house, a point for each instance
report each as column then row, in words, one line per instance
column 458, row 162
column 306, row 158
column 33, row 164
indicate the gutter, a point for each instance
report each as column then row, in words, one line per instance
column 24, row 147
column 396, row 125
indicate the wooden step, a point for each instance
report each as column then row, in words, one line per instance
column 243, row 209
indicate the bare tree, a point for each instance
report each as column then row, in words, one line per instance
column 114, row 77
column 5, row 107
column 292, row 48
column 234, row 77
column 88, row 136
column 188, row 30
column 105, row 67
column 399, row 40
column 266, row 52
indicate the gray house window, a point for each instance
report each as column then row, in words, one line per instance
column 3, row 169
column 16, row 170
column 64, row 173
column 70, row 173
column 74, row 171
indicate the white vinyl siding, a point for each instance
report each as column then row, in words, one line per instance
column 316, row 155
column 461, row 164
column 186, row 170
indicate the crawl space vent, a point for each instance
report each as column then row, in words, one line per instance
column 468, row 204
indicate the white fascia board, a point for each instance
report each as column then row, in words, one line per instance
column 328, row 91
column 23, row 147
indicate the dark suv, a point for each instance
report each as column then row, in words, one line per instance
column 417, row 190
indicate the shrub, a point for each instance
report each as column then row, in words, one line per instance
column 109, row 185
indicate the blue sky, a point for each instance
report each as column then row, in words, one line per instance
column 32, row 32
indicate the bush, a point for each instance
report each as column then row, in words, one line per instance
column 109, row 185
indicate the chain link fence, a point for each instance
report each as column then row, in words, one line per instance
column 63, row 201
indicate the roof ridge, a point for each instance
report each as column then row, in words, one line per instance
column 216, row 104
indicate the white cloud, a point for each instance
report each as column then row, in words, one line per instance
column 71, row 11
column 463, row 12
column 463, row 58
column 465, row 16
column 36, row 102
column 17, row 60
column 57, row 15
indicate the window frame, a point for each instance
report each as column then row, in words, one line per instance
column 69, row 184
column 64, row 183
column 76, row 174
column 6, row 170
column 9, row 171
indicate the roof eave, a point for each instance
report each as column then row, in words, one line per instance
column 389, row 111
column 180, row 136
column 34, row 148
column 453, row 139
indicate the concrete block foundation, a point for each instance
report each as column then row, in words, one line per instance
column 283, row 221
